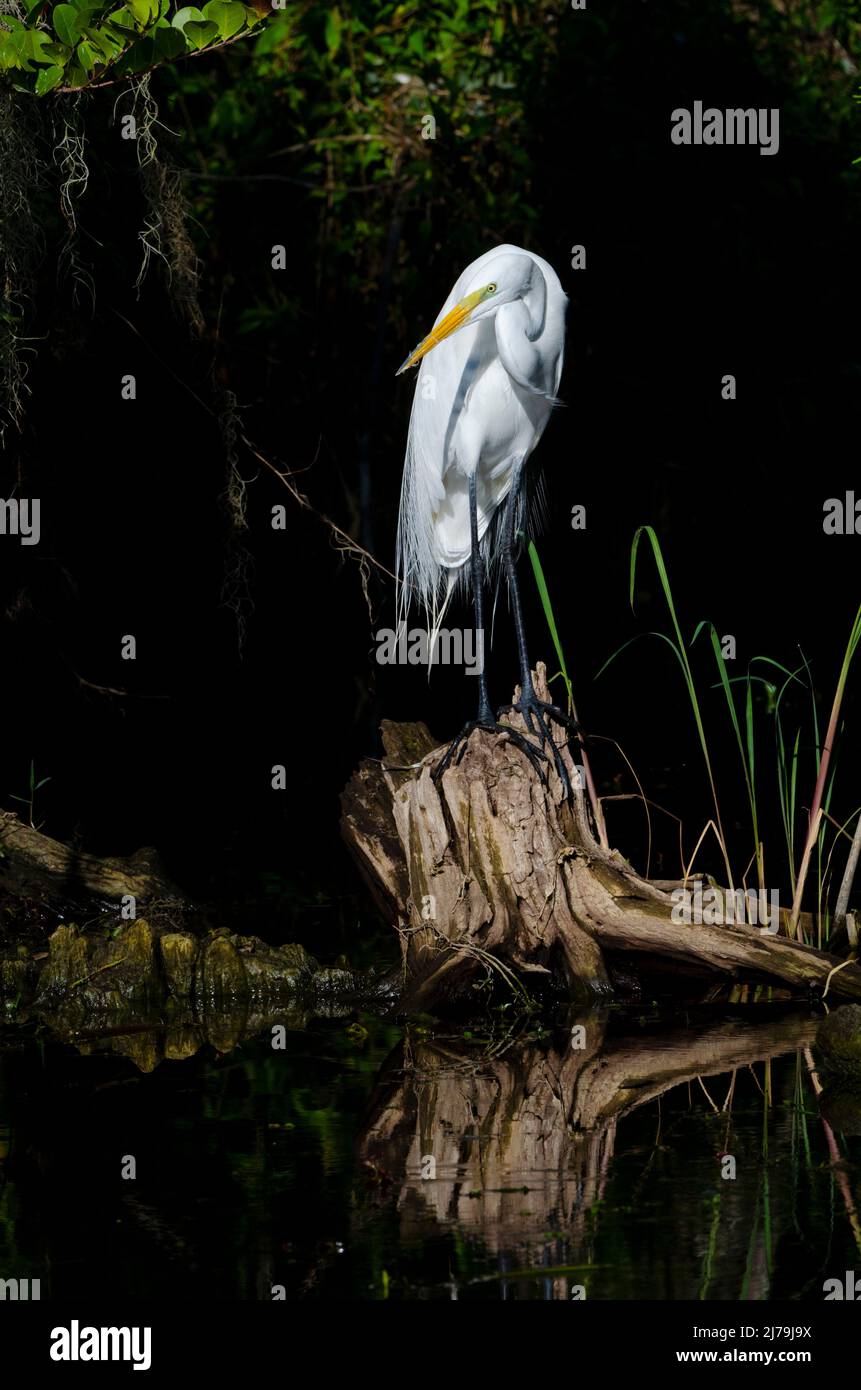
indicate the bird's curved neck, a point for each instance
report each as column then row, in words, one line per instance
column 517, row 326
column 535, row 300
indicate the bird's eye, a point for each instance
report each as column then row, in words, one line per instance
column 491, row 289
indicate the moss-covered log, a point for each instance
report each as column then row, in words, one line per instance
column 85, row 977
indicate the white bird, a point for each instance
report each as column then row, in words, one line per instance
column 490, row 371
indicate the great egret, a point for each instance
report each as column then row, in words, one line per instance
column 482, row 401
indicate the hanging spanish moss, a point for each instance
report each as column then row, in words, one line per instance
column 70, row 150
column 165, row 230
column 21, row 242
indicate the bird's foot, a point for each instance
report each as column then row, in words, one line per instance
column 541, row 713
column 455, row 750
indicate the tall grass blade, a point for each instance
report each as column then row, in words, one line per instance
column 544, row 594
column 824, row 765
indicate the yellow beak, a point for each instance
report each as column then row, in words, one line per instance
column 453, row 320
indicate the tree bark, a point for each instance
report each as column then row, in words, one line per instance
column 490, row 868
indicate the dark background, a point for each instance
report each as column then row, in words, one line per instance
column 700, row 262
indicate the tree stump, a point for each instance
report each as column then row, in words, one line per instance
column 491, row 867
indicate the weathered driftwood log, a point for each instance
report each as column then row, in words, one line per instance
column 34, row 866
column 491, row 867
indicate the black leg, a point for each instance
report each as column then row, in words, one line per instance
column 485, row 718
column 529, row 705
column 485, row 713
column 510, row 567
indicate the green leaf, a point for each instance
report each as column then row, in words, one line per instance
column 107, row 44
column 48, row 79
column 122, row 19
column 19, row 46
column 169, row 44
column 8, row 56
column 276, row 33
column 182, row 16
column 144, row 11
column 200, row 34
column 75, row 76
column 28, row 44
column 88, row 55
column 138, row 58
column 57, row 52
column 229, row 17
column 826, row 16
column 333, row 32
column 68, row 24
column 41, row 41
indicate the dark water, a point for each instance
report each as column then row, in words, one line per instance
column 367, row 1160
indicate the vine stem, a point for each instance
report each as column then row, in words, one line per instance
column 115, row 81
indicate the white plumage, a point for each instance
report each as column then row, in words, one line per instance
column 487, row 384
